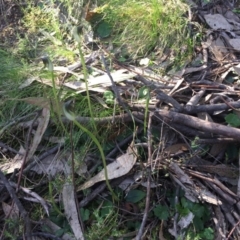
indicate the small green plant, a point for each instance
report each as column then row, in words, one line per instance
column 197, row 148
column 233, row 119
column 45, row 31
column 201, row 217
column 236, row 10
column 161, row 212
column 13, row 228
column 104, row 222
column 206, row 234
column 60, row 221
column 108, row 97
column 198, row 228
column 13, row 72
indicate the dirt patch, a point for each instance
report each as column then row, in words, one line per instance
column 10, row 23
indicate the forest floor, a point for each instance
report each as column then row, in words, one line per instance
column 119, row 121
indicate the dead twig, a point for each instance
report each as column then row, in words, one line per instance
column 146, row 211
column 199, row 124
column 3, row 145
column 126, row 117
column 160, row 94
column 15, row 121
column 232, row 230
column 27, row 151
column 116, row 92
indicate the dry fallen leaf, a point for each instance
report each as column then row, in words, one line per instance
column 42, row 102
column 11, row 211
column 52, row 164
column 43, row 121
column 217, row 21
column 37, row 101
column 27, row 82
column 71, row 212
column 14, row 163
column 218, row 49
column 118, row 168
column 103, row 80
column 176, row 148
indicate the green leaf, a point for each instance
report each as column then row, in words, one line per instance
column 85, row 213
column 198, row 223
column 104, row 29
column 183, row 211
column 198, row 210
column 122, row 59
column 107, row 207
column 233, row 120
column 135, row 196
column 109, row 97
column 208, row 234
column 161, row 212
column 143, row 92
column 186, row 203
column 108, row 94
column 60, row 232
column 194, row 145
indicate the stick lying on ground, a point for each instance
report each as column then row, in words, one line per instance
column 199, row 124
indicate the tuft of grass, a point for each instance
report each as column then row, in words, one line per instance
column 12, row 73
column 105, row 224
column 142, row 26
column 46, row 32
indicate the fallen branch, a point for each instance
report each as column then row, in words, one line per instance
column 199, row 124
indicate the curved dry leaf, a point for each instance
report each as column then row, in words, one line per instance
column 27, row 82
column 118, row 168
column 43, row 121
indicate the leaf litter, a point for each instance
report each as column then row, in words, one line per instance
column 192, row 135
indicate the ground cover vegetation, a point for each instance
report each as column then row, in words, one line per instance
column 119, row 119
